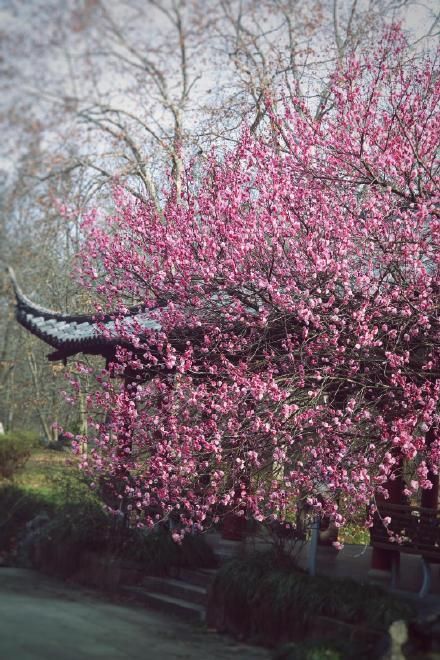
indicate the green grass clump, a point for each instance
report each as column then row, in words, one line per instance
column 269, row 601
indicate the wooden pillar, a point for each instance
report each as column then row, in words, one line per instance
column 381, row 559
column 430, row 498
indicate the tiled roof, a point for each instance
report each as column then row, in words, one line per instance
column 74, row 333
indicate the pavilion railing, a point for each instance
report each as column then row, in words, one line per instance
column 413, row 529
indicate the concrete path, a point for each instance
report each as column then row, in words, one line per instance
column 45, row 619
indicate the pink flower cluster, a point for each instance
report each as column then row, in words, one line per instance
column 296, row 281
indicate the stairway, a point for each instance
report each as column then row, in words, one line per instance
column 186, row 594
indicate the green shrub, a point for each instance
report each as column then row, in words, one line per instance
column 71, row 519
column 17, row 508
column 75, row 522
column 266, row 599
column 15, row 449
column 158, row 553
column 195, row 552
column 76, row 527
column 235, row 586
column 82, row 523
column 85, row 527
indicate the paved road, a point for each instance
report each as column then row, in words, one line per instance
column 45, row 619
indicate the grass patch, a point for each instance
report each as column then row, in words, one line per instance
column 51, row 474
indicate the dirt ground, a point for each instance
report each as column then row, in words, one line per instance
column 46, row 619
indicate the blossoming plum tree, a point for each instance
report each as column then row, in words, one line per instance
column 296, row 283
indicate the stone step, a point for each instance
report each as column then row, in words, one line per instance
column 225, row 549
column 177, row 589
column 219, row 543
column 168, row 604
column 223, row 556
column 201, row 577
